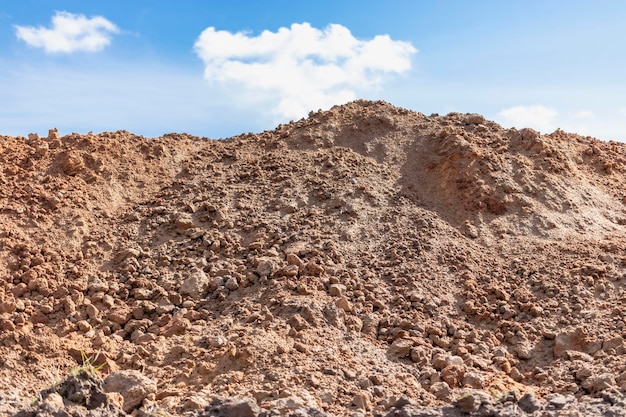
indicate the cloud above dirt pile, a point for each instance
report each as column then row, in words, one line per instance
column 301, row 68
column 69, row 33
column 538, row 117
column 607, row 124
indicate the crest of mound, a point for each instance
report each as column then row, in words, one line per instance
column 477, row 175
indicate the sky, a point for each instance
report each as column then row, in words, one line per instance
column 217, row 69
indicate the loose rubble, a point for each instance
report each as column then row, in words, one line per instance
column 366, row 260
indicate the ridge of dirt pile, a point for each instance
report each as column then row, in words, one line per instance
column 338, row 263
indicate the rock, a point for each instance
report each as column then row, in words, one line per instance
column 232, row 407
column 265, row 267
column 176, row 326
column 441, row 391
column 126, row 254
column 293, row 259
column 133, row 385
column 313, row 269
column 95, row 284
column 195, row 402
column 53, row 402
column 182, row 222
column 598, row 383
column 120, row 315
column 83, row 326
column 440, row 361
column 231, row 283
column 195, row 285
column 474, row 119
column 289, row 271
column 337, row 290
column 577, row 340
column 471, row 401
column 529, row 403
column 53, row 134
column 400, row 348
column 453, row 374
column 616, row 343
column 474, row 380
column 8, row 306
column 559, row 401
column 362, row 402
column 72, row 163
column 420, row 355
column 298, row 322
column 344, row 304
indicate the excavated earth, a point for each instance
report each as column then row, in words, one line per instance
column 367, row 260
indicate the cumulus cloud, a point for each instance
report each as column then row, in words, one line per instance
column 538, row 117
column 69, row 33
column 301, row 68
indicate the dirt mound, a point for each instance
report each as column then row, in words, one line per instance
column 337, row 263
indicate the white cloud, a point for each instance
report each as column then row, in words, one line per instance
column 538, row 117
column 585, row 114
column 69, row 33
column 301, row 68
column 606, row 123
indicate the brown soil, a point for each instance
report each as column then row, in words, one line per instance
column 340, row 262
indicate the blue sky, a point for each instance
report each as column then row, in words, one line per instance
column 216, row 69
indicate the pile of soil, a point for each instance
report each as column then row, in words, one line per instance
column 367, row 260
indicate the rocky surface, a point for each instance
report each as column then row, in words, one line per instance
column 367, row 260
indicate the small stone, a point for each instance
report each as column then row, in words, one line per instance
column 53, row 402
column 361, row 401
column 344, row 304
column 195, row 285
column 400, row 348
column 337, row 290
column 516, row 375
column 420, row 355
column 293, row 259
column 470, row 402
column 177, row 326
column 288, row 271
column 441, row 391
column 265, row 268
column 439, row 361
column 231, row 284
column 7, row 325
column 132, row 384
column 120, row 315
column 300, row 347
column 598, row 383
column 53, row 134
column 473, row 380
column 83, row 326
column 453, row 374
column 313, row 269
column 145, row 339
column 92, row 311
column 218, row 341
column 239, row 407
column 126, row 254
column 47, row 308
column 559, row 401
column 298, row 322
column 195, row 402
column 529, row 403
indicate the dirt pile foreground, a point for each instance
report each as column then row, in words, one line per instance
column 339, row 263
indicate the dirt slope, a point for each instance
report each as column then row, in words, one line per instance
column 338, row 262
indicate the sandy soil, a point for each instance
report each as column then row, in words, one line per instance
column 340, row 262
